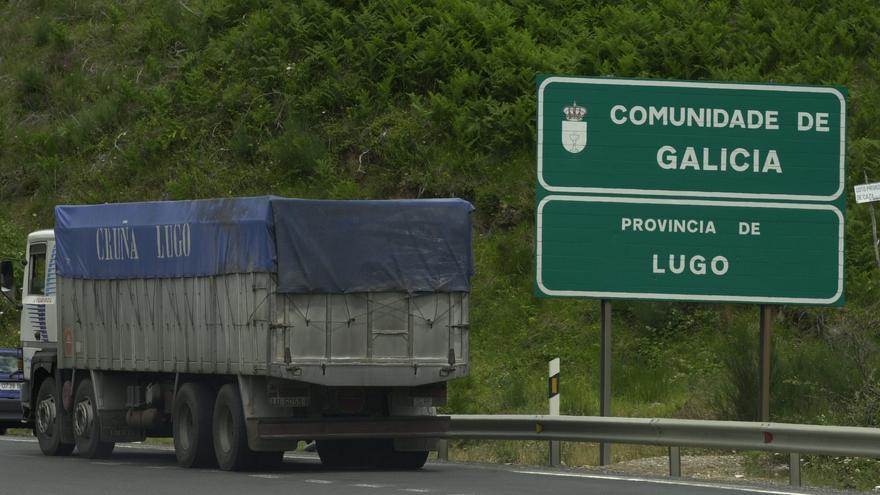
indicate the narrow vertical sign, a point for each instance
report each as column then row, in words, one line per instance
column 553, row 394
column 553, row 387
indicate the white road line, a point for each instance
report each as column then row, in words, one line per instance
column 319, row 482
column 415, row 490
column 368, row 485
column 266, row 476
column 23, row 440
column 665, row 482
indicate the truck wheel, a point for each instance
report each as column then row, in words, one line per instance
column 191, row 417
column 47, row 423
column 230, row 433
column 87, row 424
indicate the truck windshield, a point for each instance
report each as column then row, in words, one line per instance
column 8, row 364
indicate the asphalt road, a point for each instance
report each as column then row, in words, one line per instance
column 137, row 469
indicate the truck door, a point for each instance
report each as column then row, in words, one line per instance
column 38, row 321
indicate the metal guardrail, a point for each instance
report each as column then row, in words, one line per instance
column 675, row 433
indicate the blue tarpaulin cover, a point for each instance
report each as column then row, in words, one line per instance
column 315, row 246
column 358, row 246
column 165, row 239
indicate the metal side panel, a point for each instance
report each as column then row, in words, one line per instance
column 150, row 318
column 232, row 293
column 300, row 327
column 258, row 320
column 369, row 339
column 195, row 325
column 348, row 327
column 430, row 317
column 238, row 324
column 389, row 320
column 460, row 327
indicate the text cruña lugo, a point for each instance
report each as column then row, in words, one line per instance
column 121, row 243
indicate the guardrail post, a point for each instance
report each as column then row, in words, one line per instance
column 605, row 376
column 553, row 395
column 443, row 450
column 675, row 462
column 794, row 469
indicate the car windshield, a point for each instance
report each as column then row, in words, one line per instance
column 8, row 364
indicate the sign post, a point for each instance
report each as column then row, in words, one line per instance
column 605, row 374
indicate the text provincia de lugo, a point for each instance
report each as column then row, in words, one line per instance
column 737, row 159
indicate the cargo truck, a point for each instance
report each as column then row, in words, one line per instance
column 240, row 327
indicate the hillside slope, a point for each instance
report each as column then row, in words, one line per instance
column 108, row 100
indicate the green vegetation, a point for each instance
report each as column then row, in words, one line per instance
column 122, row 100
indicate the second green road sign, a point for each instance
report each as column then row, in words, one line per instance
column 677, row 190
column 694, row 250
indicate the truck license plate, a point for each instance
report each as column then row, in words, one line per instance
column 289, row 401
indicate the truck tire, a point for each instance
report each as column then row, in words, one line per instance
column 87, row 424
column 230, row 433
column 47, row 421
column 191, row 417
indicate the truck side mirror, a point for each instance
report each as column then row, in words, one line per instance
column 7, row 279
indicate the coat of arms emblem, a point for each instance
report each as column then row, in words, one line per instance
column 574, row 129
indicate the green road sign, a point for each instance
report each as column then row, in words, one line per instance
column 691, row 139
column 689, row 249
column 688, row 190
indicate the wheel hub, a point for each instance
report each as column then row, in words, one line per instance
column 46, row 415
column 83, row 418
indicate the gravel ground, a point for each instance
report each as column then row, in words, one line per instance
column 703, row 467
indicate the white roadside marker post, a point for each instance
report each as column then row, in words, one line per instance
column 553, row 394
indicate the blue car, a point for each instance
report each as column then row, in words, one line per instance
column 10, row 390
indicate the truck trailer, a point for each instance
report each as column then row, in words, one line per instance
column 243, row 326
